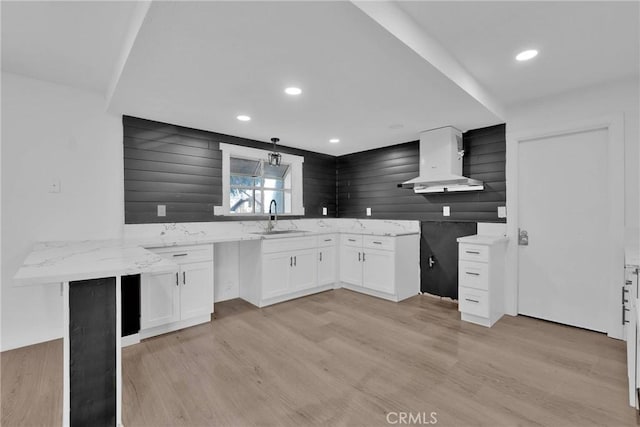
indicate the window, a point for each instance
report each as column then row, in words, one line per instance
column 250, row 183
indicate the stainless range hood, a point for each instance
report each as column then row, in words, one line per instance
column 441, row 155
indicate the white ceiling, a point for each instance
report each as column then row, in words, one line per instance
column 200, row 64
column 70, row 43
column 581, row 43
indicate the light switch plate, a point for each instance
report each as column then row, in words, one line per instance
column 324, row 211
column 368, row 211
column 446, row 211
column 502, row 211
column 162, row 210
column 54, row 185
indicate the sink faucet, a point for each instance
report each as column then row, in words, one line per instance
column 271, row 225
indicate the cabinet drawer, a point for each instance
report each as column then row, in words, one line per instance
column 473, row 274
column 351, row 240
column 287, row 244
column 183, row 254
column 379, row 242
column 473, row 301
column 325, row 240
column 471, row 252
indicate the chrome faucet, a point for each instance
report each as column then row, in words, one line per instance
column 271, row 225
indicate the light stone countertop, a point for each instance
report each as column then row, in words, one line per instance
column 59, row 261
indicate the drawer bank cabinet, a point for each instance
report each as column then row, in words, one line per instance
column 481, row 281
column 172, row 301
column 383, row 266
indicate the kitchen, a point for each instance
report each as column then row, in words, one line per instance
column 79, row 114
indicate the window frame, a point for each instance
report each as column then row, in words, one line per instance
column 295, row 164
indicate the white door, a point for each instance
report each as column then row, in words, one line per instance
column 196, row 294
column 275, row 274
column 160, row 299
column 378, row 270
column 563, row 273
column 351, row 265
column 303, row 272
column 326, row 265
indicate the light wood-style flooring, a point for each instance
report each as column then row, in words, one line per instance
column 342, row 358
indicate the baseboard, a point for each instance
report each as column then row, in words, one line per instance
column 129, row 340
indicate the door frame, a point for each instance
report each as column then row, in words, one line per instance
column 613, row 251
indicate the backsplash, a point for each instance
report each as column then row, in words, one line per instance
column 176, row 231
column 370, row 180
column 181, row 168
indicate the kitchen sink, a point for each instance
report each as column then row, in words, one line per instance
column 268, row 233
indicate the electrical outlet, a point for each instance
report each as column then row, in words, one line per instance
column 162, row 210
column 502, row 211
column 324, row 211
column 217, row 210
column 446, row 211
column 368, row 211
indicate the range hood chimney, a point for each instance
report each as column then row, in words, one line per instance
column 441, row 155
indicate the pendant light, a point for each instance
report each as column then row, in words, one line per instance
column 275, row 157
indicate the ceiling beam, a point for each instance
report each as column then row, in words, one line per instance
column 135, row 23
column 402, row 26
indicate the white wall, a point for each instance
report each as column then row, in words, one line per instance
column 52, row 131
column 555, row 112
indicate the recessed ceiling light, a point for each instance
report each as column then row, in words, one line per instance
column 526, row 55
column 293, row 91
column 243, row 118
column 334, row 140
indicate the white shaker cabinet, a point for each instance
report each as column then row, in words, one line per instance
column 384, row 266
column 280, row 269
column 172, row 301
column 481, row 261
column 327, row 265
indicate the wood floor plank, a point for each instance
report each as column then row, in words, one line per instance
column 340, row 358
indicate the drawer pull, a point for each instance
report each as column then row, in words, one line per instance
column 180, row 255
column 472, row 300
column 352, row 240
column 473, row 252
column 329, row 240
column 472, row 274
column 377, row 243
column 628, row 282
column 624, row 300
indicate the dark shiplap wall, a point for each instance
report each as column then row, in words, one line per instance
column 182, row 168
column 370, row 179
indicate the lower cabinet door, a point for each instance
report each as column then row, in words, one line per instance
column 160, row 299
column 326, row 265
column 351, row 265
column 378, row 270
column 196, row 294
column 303, row 273
column 275, row 274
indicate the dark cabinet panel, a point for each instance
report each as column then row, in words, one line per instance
column 439, row 256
